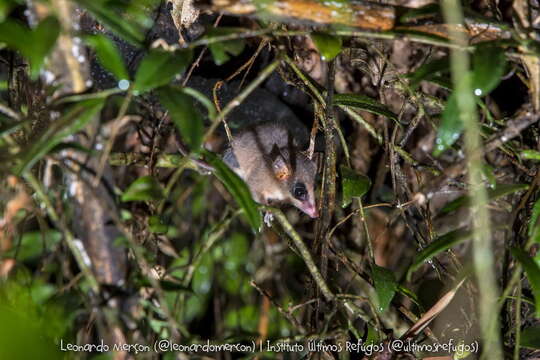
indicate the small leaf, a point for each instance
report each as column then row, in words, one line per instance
column 533, row 274
column 489, row 175
column 33, row 244
column 488, row 67
column 108, row 55
column 499, row 191
column 5, row 8
column 203, row 277
column 157, row 225
column 328, row 45
column 385, row 286
column 43, row 39
column 32, row 44
column 530, row 155
column 450, row 128
column 439, row 245
column 73, row 121
column 364, row 102
column 15, row 35
column 159, row 67
column 534, row 228
column 144, row 188
column 221, row 49
column 372, row 336
column 530, row 337
column 184, row 115
column 353, row 185
column 428, row 71
column 488, row 63
column 238, row 189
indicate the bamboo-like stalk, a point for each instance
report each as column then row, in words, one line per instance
column 482, row 249
column 78, row 254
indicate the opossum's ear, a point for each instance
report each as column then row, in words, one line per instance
column 280, row 165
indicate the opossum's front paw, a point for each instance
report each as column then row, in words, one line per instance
column 268, row 218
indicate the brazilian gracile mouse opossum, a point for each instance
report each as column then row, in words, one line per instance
column 268, row 158
column 267, row 148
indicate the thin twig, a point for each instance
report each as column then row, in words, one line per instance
column 9, row 112
column 304, row 252
column 116, row 125
column 69, row 237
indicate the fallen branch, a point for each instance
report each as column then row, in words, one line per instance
column 393, row 21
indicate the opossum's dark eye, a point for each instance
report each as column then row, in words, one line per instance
column 299, row 191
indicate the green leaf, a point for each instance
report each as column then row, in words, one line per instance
column 73, row 121
column 385, row 285
column 244, row 319
column 534, row 228
column 428, row 71
column 203, row 277
column 184, row 115
column 530, row 155
column 157, row 225
column 33, row 244
column 43, row 38
column 238, row 189
column 450, row 128
column 221, row 49
column 530, row 337
column 489, row 175
column 32, row 44
column 328, row 45
column 364, row 102
column 234, row 252
column 439, row 245
column 499, row 191
column 144, row 188
column 372, row 335
column 104, row 13
column 488, row 64
column 353, row 185
column 6, row 6
column 15, row 35
column 533, row 274
column 23, row 314
column 159, row 67
column 108, row 55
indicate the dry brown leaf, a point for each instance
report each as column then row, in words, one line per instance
column 432, row 313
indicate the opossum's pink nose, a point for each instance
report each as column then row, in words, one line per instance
column 310, row 209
